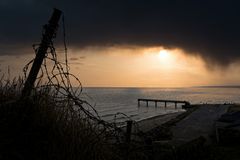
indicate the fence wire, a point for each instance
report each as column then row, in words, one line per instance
column 56, row 76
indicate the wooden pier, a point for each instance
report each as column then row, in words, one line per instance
column 186, row 103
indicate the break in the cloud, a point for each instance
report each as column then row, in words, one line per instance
column 208, row 28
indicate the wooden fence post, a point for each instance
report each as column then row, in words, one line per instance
column 128, row 137
column 129, row 131
column 49, row 34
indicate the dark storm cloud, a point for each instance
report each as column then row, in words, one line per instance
column 209, row 28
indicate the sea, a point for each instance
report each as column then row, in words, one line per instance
column 120, row 104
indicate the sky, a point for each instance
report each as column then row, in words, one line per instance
column 130, row 43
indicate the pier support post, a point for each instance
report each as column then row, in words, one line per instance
column 175, row 105
column 138, row 103
column 165, row 104
column 147, row 103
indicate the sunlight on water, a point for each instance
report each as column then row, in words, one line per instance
column 110, row 101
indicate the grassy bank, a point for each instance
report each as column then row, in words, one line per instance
column 39, row 127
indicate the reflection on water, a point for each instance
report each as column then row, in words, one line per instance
column 110, row 101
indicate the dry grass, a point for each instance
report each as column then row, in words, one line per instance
column 39, row 128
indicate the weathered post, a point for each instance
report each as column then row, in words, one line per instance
column 48, row 35
column 129, row 131
column 128, row 137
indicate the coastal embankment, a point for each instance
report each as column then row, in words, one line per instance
column 198, row 120
column 195, row 133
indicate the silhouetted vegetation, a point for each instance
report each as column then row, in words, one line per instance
column 39, row 128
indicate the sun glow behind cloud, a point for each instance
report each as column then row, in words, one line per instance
column 141, row 67
column 165, row 58
column 119, row 66
column 164, row 54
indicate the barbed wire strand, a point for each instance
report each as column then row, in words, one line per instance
column 59, row 79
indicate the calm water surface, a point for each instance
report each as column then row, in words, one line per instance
column 110, row 101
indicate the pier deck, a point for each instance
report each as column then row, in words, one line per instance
column 186, row 103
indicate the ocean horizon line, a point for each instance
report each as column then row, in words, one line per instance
column 135, row 87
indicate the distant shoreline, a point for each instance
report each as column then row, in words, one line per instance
column 226, row 86
column 217, row 86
